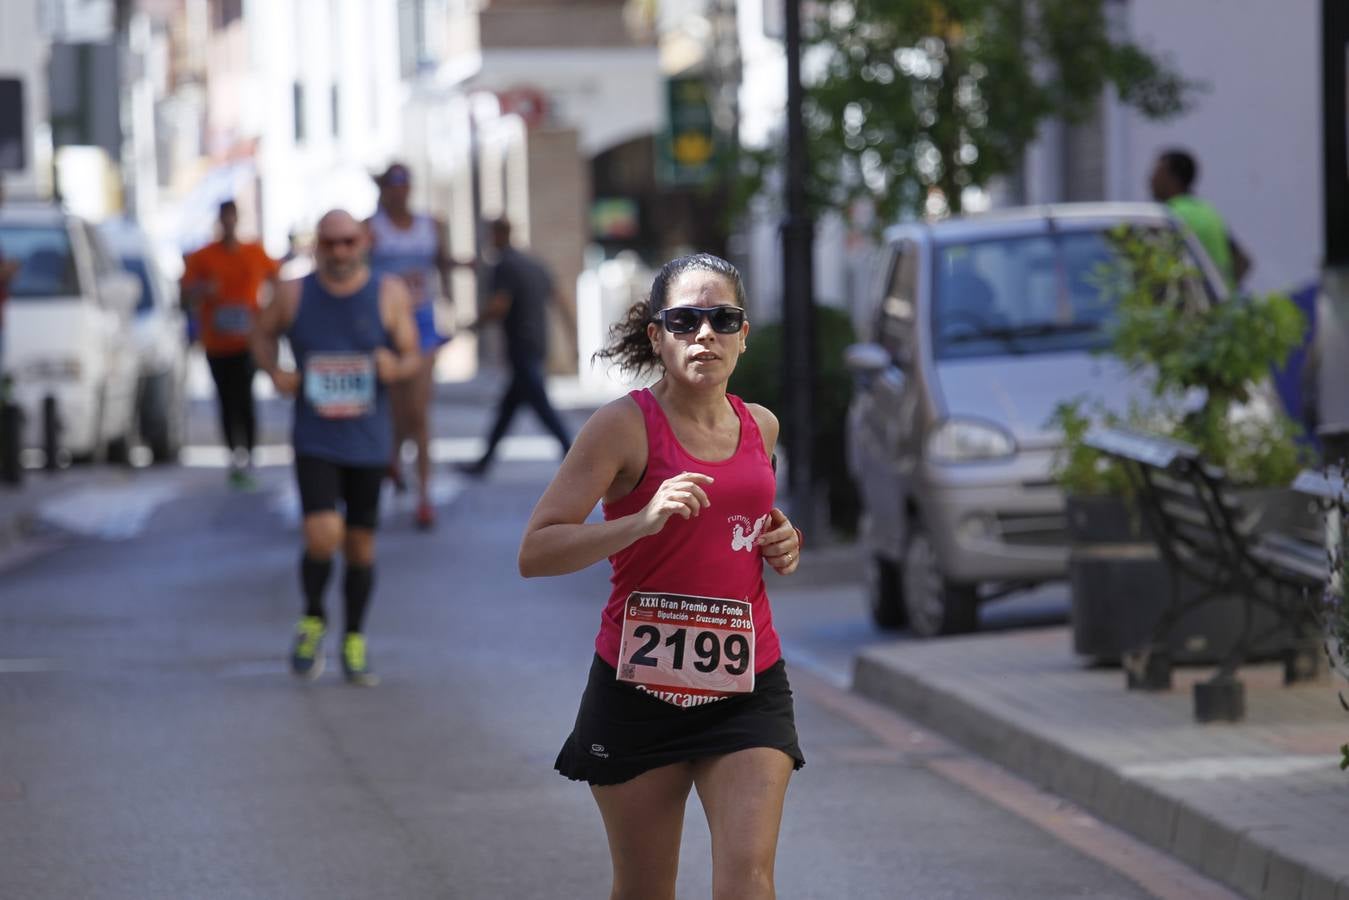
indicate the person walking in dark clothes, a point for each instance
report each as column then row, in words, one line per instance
column 221, row 286
column 519, row 291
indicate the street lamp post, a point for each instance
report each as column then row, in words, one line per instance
column 797, row 280
column 1332, row 327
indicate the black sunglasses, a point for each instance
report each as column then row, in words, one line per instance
column 685, row 319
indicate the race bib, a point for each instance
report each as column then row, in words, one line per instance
column 340, row 385
column 687, row 650
column 232, row 321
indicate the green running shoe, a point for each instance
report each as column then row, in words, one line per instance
column 305, row 659
column 243, row 480
column 355, row 666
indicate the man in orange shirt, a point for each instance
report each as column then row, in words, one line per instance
column 221, row 286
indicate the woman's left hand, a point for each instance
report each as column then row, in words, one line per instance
column 780, row 545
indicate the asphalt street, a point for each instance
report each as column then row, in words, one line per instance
column 153, row 744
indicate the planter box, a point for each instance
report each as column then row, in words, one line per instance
column 1120, row 585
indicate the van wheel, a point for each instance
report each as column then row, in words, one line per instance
column 935, row 606
column 885, row 595
column 161, row 417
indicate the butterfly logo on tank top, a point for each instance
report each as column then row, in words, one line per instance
column 744, row 533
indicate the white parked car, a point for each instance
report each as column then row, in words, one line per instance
column 69, row 343
column 160, row 330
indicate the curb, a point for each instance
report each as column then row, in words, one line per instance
column 17, row 524
column 1251, row 864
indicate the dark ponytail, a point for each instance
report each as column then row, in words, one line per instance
column 629, row 348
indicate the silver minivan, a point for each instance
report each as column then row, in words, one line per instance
column 975, row 329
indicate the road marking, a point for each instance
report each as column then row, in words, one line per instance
column 111, row 512
column 10, row 666
column 517, row 448
column 839, row 678
column 1154, row 871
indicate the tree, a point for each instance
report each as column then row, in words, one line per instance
column 917, row 95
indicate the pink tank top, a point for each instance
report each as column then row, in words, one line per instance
column 710, row 555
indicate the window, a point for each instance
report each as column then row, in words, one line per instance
column 12, row 128
column 423, row 34
column 896, row 315
column 228, row 11
column 46, row 267
column 297, row 94
column 1034, row 294
column 136, row 266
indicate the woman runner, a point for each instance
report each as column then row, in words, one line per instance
column 687, row 689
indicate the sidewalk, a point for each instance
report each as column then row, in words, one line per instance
column 1261, row 805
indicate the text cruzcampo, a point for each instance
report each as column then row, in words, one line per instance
column 679, row 698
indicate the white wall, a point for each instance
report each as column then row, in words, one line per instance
column 609, row 95
column 1256, row 132
column 352, row 43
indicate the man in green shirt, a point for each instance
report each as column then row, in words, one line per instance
column 1172, row 178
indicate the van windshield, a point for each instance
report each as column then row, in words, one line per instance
column 46, row 267
column 1022, row 295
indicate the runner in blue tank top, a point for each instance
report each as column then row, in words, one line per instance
column 352, row 335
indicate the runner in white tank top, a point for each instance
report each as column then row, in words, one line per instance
column 412, row 246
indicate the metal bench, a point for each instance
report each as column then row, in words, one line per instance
column 1206, row 537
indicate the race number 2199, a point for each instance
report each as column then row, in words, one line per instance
column 702, row 646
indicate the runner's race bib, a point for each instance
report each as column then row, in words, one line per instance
column 340, row 385
column 686, row 650
column 232, row 320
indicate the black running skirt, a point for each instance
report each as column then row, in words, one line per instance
column 622, row 732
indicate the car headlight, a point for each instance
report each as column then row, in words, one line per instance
column 969, row 440
column 66, row 368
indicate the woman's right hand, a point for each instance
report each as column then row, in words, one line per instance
column 680, row 495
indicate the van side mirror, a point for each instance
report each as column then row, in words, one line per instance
column 866, row 360
column 120, row 292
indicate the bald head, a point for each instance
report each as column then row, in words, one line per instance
column 337, row 219
column 340, row 246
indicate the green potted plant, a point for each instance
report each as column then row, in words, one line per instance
column 1335, row 607
column 1208, row 363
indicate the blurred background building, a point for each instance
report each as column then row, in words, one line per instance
column 605, row 129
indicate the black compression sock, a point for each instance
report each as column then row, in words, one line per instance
column 314, row 575
column 357, row 583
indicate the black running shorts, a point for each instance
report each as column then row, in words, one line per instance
column 622, row 732
column 323, row 482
